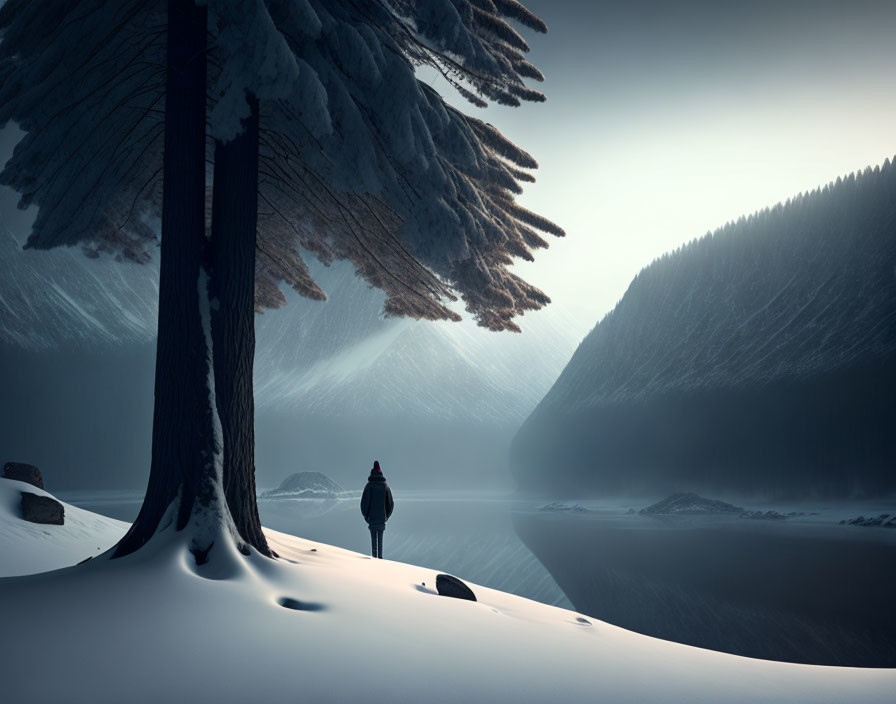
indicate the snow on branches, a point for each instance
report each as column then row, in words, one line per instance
column 358, row 159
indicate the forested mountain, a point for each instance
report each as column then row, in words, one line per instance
column 333, row 379
column 759, row 358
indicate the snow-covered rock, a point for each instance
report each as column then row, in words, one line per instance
column 770, row 515
column 310, row 485
column 690, row 504
column 558, row 507
column 324, row 624
column 884, row 520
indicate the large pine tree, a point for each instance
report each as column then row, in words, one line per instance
column 322, row 139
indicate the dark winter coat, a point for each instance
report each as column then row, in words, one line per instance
column 376, row 501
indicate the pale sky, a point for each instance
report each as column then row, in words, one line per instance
column 666, row 120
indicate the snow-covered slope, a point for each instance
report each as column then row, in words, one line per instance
column 60, row 298
column 336, row 358
column 435, row 370
column 343, row 358
column 328, row 625
column 26, row 547
column 471, row 534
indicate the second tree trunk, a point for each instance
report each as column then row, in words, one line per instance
column 234, row 219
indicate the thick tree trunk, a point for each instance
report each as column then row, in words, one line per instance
column 234, row 219
column 183, row 442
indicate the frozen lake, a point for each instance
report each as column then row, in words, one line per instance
column 804, row 588
column 470, row 535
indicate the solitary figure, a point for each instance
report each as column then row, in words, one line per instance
column 376, row 507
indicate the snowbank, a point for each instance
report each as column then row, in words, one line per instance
column 154, row 627
column 26, row 547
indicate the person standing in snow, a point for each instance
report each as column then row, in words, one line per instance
column 376, row 507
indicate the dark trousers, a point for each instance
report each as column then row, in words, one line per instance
column 376, row 542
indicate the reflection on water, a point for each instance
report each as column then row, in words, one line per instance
column 801, row 589
column 470, row 535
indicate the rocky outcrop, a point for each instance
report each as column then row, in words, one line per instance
column 42, row 509
column 557, row 507
column 771, row 515
column 23, row 472
column 884, row 520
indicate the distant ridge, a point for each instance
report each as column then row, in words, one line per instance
column 332, row 379
column 759, row 358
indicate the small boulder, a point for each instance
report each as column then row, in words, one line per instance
column 22, row 472
column 42, row 509
column 447, row 585
column 689, row 504
column 306, row 485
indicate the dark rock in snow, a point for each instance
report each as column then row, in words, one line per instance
column 311, row 485
column 42, row 509
column 447, row 585
column 689, row 504
column 23, row 472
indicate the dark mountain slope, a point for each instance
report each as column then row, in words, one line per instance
column 760, row 358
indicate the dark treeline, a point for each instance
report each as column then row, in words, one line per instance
column 759, row 358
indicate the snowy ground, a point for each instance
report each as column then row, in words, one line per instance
column 154, row 627
column 463, row 533
column 26, row 547
column 469, row 533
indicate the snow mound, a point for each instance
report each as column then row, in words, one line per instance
column 312, row 485
column 325, row 624
column 688, row 504
column 26, row 548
